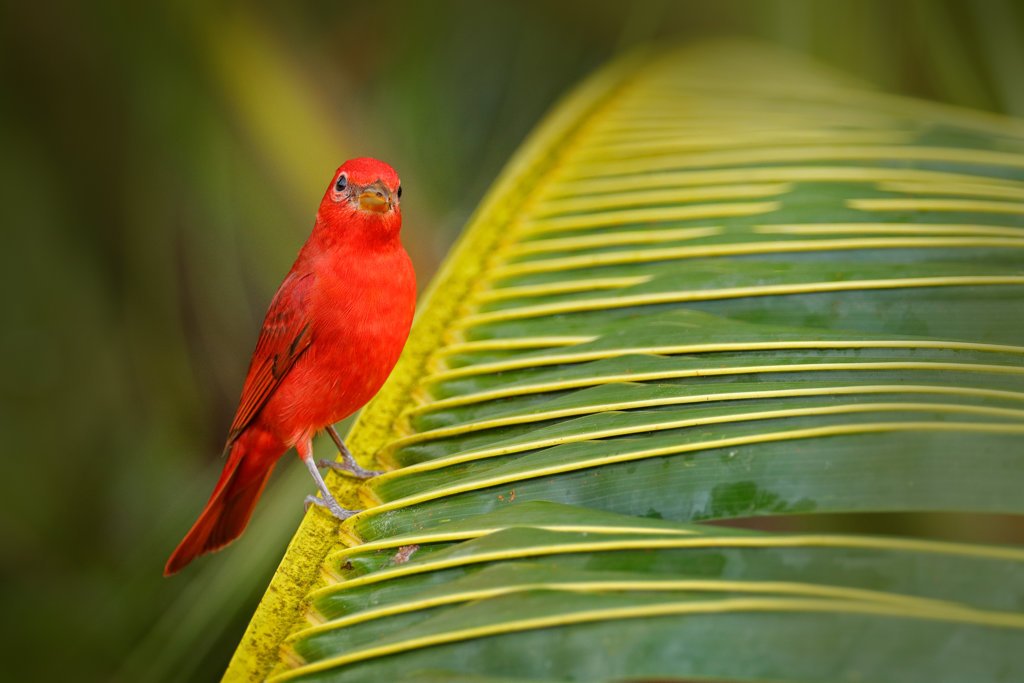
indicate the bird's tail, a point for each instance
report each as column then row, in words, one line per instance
column 230, row 506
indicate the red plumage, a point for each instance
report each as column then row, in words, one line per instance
column 330, row 338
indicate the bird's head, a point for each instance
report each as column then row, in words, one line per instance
column 365, row 190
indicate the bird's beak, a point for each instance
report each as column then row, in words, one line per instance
column 375, row 197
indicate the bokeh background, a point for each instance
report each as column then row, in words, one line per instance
column 160, row 165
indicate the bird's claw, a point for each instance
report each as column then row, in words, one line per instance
column 330, row 505
column 349, row 467
column 348, row 463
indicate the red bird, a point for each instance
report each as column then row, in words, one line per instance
column 331, row 337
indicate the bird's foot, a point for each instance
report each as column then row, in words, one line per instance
column 331, row 505
column 350, row 467
column 348, row 463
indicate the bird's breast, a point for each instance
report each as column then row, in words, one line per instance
column 361, row 312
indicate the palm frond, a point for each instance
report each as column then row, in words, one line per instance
column 716, row 284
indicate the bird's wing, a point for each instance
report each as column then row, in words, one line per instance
column 286, row 334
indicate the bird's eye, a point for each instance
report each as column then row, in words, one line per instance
column 342, row 183
column 399, row 191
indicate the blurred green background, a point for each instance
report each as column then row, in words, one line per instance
column 161, row 165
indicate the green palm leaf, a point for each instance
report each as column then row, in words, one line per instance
column 716, row 284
